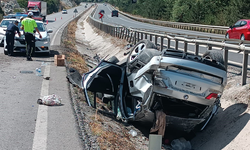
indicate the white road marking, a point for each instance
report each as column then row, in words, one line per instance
column 40, row 135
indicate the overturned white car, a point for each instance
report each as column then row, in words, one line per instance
column 42, row 45
column 184, row 86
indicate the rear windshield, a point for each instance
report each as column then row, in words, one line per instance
column 5, row 23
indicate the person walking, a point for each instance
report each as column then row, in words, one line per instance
column 28, row 26
column 10, row 36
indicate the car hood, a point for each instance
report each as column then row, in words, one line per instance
column 2, row 30
column 44, row 34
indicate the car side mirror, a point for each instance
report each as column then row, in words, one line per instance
column 231, row 27
column 4, row 29
column 50, row 31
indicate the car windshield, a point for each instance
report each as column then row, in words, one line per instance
column 5, row 23
column 36, row 14
column 40, row 26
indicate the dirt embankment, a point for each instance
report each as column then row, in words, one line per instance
column 230, row 129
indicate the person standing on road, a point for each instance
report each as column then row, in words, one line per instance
column 28, row 26
column 10, row 36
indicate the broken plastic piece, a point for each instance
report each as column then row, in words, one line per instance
column 133, row 132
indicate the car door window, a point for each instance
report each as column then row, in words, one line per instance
column 243, row 23
column 237, row 24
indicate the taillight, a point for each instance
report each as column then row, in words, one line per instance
column 212, row 96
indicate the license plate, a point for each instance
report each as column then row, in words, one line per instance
column 23, row 49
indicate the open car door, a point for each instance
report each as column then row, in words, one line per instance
column 102, row 84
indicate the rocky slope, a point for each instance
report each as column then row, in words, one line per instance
column 8, row 6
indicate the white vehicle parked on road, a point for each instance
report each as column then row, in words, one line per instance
column 42, row 45
column 3, row 26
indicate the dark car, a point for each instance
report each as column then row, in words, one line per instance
column 240, row 30
column 114, row 13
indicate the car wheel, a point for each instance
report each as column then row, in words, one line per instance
column 227, row 36
column 135, row 51
column 113, row 60
column 242, row 37
column 5, row 52
column 214, row 55
column 138, row 48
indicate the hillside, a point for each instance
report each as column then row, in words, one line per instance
column 12, row 6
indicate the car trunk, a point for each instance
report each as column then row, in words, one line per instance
column 180, row 114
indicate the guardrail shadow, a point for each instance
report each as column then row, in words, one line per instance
column 223, row 129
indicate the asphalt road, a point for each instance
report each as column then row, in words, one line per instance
column 234, row 57
column 25, row 125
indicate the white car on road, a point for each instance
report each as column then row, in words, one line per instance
column 3, row 26
column 42, row 45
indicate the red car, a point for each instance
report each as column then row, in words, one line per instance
column 240, row 30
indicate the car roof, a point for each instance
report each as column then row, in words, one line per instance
column 10, row 19
column 244, row 20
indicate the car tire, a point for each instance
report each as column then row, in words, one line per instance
column 113, row 60
column 227, row 36
column 214, row 56
column 5, row 52
column 242, row 37
column 135, row 51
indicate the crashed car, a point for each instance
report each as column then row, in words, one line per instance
column 184, row 86
column 42, row 45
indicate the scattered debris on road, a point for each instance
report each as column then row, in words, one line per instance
column 50, row 100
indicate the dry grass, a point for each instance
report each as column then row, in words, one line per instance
column 107, row 138
column 75, row 59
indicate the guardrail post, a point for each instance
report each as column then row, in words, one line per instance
column 185, row 46
column 244, row 68
column 116, row 32
column 134, row 37
column 176, row 44
column 131, row 36
column 113, row 31
column 196, row 49
column 123, row 33
column 141, row 36
column 156, row 40
column 150, row 37
column 209, row 47
column 225, row 57
column 128, row 35
column 120, row 35
column 169, row 42
column 162, row 38
column 146, row 36
column 137, row 37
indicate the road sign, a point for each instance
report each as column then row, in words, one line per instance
column 101, row 15
column 75, row 11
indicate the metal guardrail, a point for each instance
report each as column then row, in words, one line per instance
column 134, row 35
column 180, row 25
